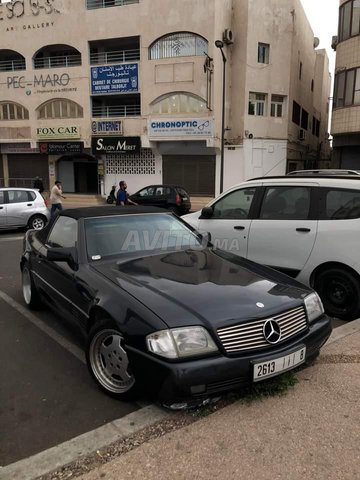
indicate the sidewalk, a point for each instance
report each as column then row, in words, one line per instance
column 312, row 432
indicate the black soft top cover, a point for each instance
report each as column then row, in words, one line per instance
column 105, row 211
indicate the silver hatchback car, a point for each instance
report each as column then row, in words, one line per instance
column 22, row 207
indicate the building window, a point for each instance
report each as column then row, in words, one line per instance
column 296, row 113
column 349, row 20
column 277, row 105
column 93, row 4
column 347, row 88
column 60, row 109
column 300, row 70
column 178, row 103
column 312, row 85
column 13, row 111
column 263, row 52
column 181, row 44
column 304, row 119
column 257, row 104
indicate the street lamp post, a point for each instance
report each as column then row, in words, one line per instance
column 220, row 44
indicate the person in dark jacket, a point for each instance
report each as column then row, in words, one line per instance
column 38, row 184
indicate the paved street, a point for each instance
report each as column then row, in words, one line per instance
column 47, row 395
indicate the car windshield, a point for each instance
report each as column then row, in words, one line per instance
column 121, row 234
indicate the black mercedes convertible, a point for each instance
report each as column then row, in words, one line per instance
column 164, row 311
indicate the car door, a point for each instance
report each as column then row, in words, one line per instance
column 19, row 207
column 2, row 209
column 284, row 233
column 231, row 219
column 58, row 278
column 144, row 196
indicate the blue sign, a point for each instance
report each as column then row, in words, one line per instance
column 115, row 79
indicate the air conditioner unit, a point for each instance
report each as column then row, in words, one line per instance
column 302, row 134
column 228, row 37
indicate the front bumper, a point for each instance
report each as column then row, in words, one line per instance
column 212, row 375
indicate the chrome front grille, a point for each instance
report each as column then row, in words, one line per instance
column 250, row 336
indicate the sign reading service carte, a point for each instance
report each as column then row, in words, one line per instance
column 62, row 132
column 59, row 148
column 108, row 127
column 115, row 79
column 116, row 145
column 194, row 127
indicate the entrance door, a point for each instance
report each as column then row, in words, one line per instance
column 196, row 174
column 86, row 177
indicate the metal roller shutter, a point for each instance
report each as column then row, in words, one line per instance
column 23, row 168
column 196, row 174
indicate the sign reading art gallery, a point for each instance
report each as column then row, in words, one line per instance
column 54, row 133
column 182, row 127
column 115, row 145
column 115, row 79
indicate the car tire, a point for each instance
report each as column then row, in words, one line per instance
column 339, row 290
column 108, row 362
column 37, row 222
column 30, row 293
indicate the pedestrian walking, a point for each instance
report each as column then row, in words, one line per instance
column 122, row 197
column 38, row 184
column 56, row 198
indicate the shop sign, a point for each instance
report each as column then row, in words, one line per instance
column 59, row 148
column 61, row 132
column 182, row 127
column 107, row 127
column 17, row 148
column 115, row 145
column 115, row 79
column 12, row 9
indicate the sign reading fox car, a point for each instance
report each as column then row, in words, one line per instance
column 116, row 145
column 61, row 132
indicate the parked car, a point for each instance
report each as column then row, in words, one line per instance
column 22, row 207
column 325, row 171
column 308, row 228
column 163, row 311
column 171, row 197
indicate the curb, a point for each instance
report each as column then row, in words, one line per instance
column 344, row 331
column 56, row 457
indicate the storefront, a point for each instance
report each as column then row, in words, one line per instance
column 187, row 159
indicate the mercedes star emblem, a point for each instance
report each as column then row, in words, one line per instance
column 260, row 305
column 272, row 331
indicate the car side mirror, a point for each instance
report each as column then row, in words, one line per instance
column 67, row 255
column 207, row 212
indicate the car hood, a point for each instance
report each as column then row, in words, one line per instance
column 207, row 287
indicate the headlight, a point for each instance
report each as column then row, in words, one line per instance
column 314, row 306
column 181, row 342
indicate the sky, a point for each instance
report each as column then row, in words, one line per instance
column 323, row 18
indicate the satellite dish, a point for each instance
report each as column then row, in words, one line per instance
column 316, row 42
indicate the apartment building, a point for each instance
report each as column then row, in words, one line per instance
column 96, row 91
column 345, row 125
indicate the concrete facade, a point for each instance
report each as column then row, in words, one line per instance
column 254, row 144
column 345, row 126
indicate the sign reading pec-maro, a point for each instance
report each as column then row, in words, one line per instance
column 12, row 9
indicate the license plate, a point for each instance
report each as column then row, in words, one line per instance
column 273, row 367
column 184, row 198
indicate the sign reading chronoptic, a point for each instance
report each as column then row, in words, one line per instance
column 182, row 127
column 115, row 78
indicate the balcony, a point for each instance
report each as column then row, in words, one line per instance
column 119, row 56
column 57, row 56
column 94, row 4
column 107, row 111
column 114, row 50
column 11, row 61
column 57, row 62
